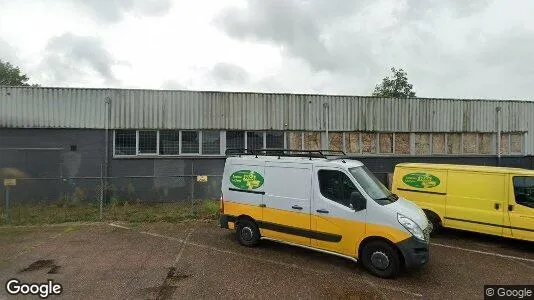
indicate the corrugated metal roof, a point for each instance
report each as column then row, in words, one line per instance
column 163, row 109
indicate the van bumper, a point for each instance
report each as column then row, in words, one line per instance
column 415, row 252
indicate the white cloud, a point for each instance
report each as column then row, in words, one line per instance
column 473, row 49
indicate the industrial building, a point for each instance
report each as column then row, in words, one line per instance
column 86, row 134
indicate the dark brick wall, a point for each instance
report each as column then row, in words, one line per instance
column 155, row 179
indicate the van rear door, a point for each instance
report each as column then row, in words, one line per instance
column 286, row 215
column 243, row 188
column 521, row 207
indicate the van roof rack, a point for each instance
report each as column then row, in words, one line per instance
column 280, row 152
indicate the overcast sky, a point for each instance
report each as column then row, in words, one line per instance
column 450, row 48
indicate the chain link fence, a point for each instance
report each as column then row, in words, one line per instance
column 131, row 198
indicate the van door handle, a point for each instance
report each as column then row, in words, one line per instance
column 296, row 207
column 510, row 207
column 263, row 205
column 322, row 211
column 497, row 206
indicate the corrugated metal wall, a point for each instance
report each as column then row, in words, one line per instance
column 86, row 108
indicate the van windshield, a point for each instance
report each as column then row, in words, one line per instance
column 372, row 186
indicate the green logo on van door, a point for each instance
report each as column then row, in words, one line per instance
column 421, row 180
column 246, row 179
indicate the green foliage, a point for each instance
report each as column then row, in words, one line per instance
column 210, row 209
column 117, row 210
column 396, row 87
column 12, row 76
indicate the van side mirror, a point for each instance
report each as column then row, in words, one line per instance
column 358, row 201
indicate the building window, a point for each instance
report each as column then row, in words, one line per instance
column 169, row 142
column 125, row 142
column 211, row 142
column 254, row 140
column 516, row 143
column 190, row 142
column 352, row 142
column 294, row 140
column 148, row 142
column 402, row 143
column 485, row 143
column 274, row 139
column 385, row 142
column 235, row 139
column 470, row 143
column 454, row 143
column 312, row 140
column 438, row 143
column 369, row 142
column 422, row 143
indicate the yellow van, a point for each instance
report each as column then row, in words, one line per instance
column 332, row 205
column 491, row 200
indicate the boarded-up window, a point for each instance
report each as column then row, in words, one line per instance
column 295, row 140
column 505, row 143
column 402, row 143
column 438, row 143
column 312, row 140
column 485, row 143
column 516, row 143
column 454, row 141
column 385, row 142
column 470, row 143
column 422, row 144
column 352, row 142
column 335, row 141
column 368, row 142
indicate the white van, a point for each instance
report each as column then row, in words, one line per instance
column 332, row 205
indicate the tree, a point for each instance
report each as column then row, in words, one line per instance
column 11, row 75
column 397, row 87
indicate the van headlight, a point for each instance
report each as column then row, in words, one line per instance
column 411, row 226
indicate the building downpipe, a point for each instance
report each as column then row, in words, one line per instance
column 498, row 111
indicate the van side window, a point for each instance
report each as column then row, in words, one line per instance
column 336, row 186
column 524, row 190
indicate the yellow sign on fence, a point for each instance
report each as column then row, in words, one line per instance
column 202, row 178
column 10, row 182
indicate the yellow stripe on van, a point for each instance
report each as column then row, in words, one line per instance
column 352, row 232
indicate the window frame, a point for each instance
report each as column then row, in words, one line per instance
column 199, row 135
column 179, row 143
column 222, row 145
column 137, row 138
column 351, row 178
column 115, row 143
column 221, row 137
column 514, row 191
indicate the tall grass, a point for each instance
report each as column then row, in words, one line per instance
column 116, row 211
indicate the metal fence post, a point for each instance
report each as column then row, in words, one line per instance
column 101, row 191
column 8, row 217
column 192, row 186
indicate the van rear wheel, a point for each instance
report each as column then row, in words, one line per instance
column 381, row 259
column 247, row 233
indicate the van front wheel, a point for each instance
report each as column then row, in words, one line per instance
column 247, row 233
column 381, row 259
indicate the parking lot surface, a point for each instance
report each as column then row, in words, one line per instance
column 199, row 260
